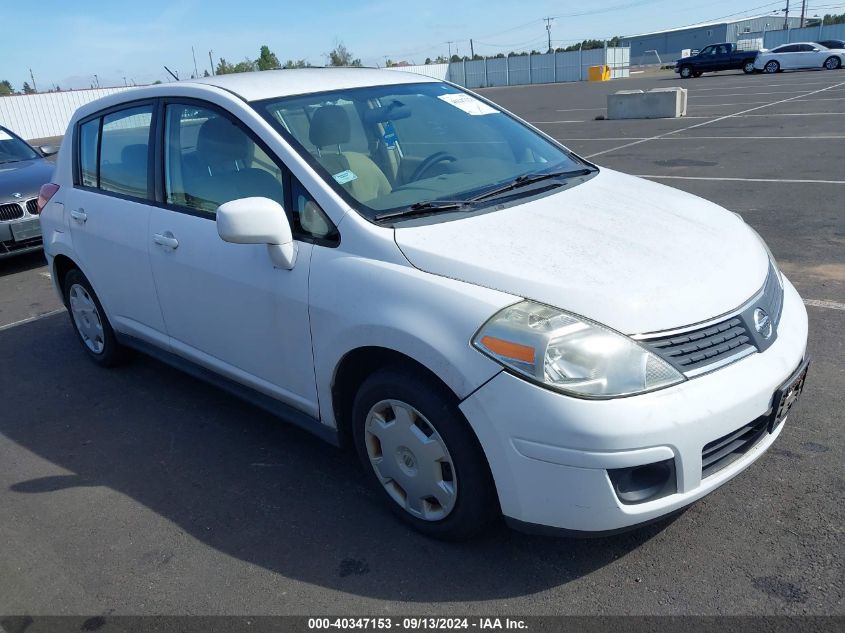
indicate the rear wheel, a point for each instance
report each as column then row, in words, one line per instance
column 748, row 68
column 772, row 67
column 832, row 63
column 89, row 320
column 421, row 455
column 686, row 72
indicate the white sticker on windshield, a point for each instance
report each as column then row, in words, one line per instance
column 468, row 104
column 4, row 136
column 347, row 175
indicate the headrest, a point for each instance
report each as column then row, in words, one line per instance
column 220, row 142
column 329, row 126
column 134, row 155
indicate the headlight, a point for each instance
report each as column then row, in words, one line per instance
column 571, row 354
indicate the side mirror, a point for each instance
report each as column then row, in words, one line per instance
column 49, row 150
column 258, row 221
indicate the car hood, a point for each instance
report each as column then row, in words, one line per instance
column 626, row 252
column 24, row 177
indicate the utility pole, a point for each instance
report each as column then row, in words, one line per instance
column 96, row 81
column 549, row 31
column 471, row 49
column 31, row 76
column 196, row 72
column 211, row 61
column 786, row 18
column 803, row 11
column 450, row 49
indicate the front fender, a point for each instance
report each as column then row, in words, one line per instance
column 358, row 302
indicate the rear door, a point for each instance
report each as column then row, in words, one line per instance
column 109, row 213
column 225, row 306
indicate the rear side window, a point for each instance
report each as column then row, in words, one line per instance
column 113, row 151
column 124, row 151
column 89, row 134
column 209, row 160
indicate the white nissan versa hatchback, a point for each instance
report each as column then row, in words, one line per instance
column 496, row 325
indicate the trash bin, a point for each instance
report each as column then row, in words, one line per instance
column 598, row 73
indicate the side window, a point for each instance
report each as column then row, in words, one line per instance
column 708, row 50
column 89, row 134
column 308, row 218
column 124, row 149
column 208, row 160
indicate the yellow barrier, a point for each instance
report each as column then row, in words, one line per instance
column 598, row 73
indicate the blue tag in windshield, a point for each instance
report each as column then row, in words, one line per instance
column 389, row 135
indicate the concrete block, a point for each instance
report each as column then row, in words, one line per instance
column 659, row 103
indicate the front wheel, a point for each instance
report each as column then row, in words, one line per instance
column 686, row 72
column 832, row 63
column 697, row 74
column 748, row 68
column 772, row 67
column 421, row 455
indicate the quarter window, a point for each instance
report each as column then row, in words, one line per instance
column 124, row 151
column 89, row 134
column 210, row 160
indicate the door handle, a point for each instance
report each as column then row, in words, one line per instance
column 166, row 239
column 79, row 215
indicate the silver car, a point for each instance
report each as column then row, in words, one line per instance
column 23, row 170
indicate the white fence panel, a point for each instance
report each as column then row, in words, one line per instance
column 48, row 113
column 437, row 71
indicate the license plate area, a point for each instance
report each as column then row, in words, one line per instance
column 787, row 395
column 26, row 230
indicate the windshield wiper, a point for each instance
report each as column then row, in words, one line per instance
column 529, row 179
column 426, row 206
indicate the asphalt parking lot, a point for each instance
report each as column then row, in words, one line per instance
column 140, row 490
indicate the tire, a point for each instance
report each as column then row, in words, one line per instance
column 414, row 443
column 748, row 68
column 772, row 67
column 832, row 63
column 89, row 321
column 685, row 72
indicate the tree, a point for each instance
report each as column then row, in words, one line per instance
column 299, row 63
column 267, row 59
column 342, row 56
column 6, row 88
column 27, row 89
column 224, row 67
column 205, row 73
column 834, row 19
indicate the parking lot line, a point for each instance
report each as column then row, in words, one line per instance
column 733, row 179
column 37, row 317
column 705, row 138
column 821, row 303
column 716, row 120
column 805, row 83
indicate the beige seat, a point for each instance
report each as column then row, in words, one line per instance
column 329, row 130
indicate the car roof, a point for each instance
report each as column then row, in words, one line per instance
column 284, row 82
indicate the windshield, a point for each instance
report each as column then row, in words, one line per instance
column 13, row 150
column 391, row 147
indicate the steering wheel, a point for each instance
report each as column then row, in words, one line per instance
column 431, row 161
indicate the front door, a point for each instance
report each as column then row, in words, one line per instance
column 225, row 306
column 109, row 214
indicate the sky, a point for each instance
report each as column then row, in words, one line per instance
column 67, row 43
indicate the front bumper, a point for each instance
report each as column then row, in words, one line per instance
column 550, row 453
column 20, row 236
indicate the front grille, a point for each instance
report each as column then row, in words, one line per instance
column 32, row 206
column 11, row 211
column 733, row 337
column 720, row 453
column 698, row 348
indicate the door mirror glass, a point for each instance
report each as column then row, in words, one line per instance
column 258, row 221
column 49, row 150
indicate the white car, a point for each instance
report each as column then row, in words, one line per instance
column 497, row 326
column 799, row 55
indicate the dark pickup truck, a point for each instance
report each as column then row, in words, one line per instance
column 716, row 57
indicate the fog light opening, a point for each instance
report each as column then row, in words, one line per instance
column 638, row 484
